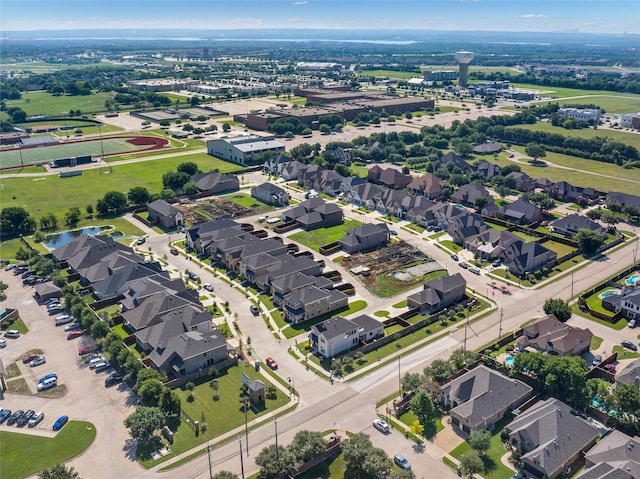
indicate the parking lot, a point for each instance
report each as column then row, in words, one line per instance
column 86, row 397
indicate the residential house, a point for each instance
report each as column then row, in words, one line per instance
column 166, row 214
column 199, row 236
column 451, row 157
column 190, row 352
column 564, row 191
column 623, row 199
column 314, row 213
column 550, row 438
column 523, row 181
column 428, row 185
column 487, row 170
column 522, row 258
column 173, row 323
column 75, row 246
column 373, row 174
column 270, row 194
column 393, row 178
column 467, row 194
column 151, row 309
column 390, row 202
column 291, row 170
column 521, row 211
column 488, row 148
column 273, row 164
column 363, row 195
column 545, row 184
column 490, row 242
column 569, row 225
column 616, row 456
column 481, row 397
column 336, row 335
column 310, row 301
column 112, row 286
column 366, row 237
column 551, row 336
column 285, row 284
column 465, row 225
column 349, row 183
column 439, row 293
column 630, row 375
column 626, row 303
column 45, row 291
column 215, row 182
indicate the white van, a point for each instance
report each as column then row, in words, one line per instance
column 64, row 319
column 47, row 384
column 94, row 361
column 12, row 333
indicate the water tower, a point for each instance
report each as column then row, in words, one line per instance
column 463, row 59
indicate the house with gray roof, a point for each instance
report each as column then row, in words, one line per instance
column 336, row 335
column 523, row 181
column 439, row 293
column 197, row 236
column 487, row 170
column 84, row 241
column 172, row 323
column 151, row 309
column 310, row 301
column 570, row 225
column 46, row 291
column 630, row 375
column 190, row 352
column 623, row 199
column 215, row 182
column 616, row 456
column 467, row 194
column 521, row 211
column 482, row 397
column 550, row 438
column 550, row 335
column 315, row 213
column 626, row 303
column 522, row 258
column 166, row 214
column 428, row 185
column 488, row 148
column 364, row 194
column 112, row 285
column 451, row 157
column 365, row 237
column 270, row 194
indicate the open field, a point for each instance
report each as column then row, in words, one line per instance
column 579, row 178
column 610, row 101
column 43, row 103
column 40, row 195
column 631, row 139
column 45, row 67
column 25, row 454
column 390, row 74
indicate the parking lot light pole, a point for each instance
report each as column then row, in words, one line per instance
column 241, row 461
column 209, row 456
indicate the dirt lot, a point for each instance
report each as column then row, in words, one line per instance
column 202, row 211
column 394, row 256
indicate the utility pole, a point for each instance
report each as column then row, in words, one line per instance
column 275, row 424
column 465, row 330
column 572, row 285
column 241, row 462
column 209, row 456
column 246, row 427
column 500, row 330
column 399, row 379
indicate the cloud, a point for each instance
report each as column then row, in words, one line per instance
column 532, row 15
column 96, row 19
column 246, row 22
column 301, row 2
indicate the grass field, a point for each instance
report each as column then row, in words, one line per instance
column 25, row 455
column 247, row 201
column 42, row 103
column 323, row 236
column 631, row 139
column 611, row 101
column 41, row 195
column 390, row 74
column 65, row 150
column 559, row 248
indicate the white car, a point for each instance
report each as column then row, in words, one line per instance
column 38, row 361
column 381, row 426
column 208, row 287
column 3, row 343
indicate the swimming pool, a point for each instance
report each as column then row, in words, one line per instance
column 633, row 281
column 509, row 361
column 608, row 292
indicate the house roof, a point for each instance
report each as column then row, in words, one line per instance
column 270, row 188
column 209, row 181
column 222, row 224
column 65, row 252
column 339, row 326
column 623, row 199
column 483, row 392
column 187, row 345
column 551, row 434
column 43, row 289
column 458, row 160
column 521, row 208
column 630, row 375
column 163, row 208
column 488, row 148
column 616, row 448
column 152, row 308
column 357, row 235
column 576, row 221
column 549, row 330
column 174, row 322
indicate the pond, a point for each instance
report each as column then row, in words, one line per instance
column 60, row 239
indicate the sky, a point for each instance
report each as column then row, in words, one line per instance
column 587, row 16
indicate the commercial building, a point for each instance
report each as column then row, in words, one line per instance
column 244, row 149
column 581, row 114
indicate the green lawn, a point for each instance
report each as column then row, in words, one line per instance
column 296, row 329
column 437, row 235
column 207, row 410
column 630, row 139
column 331, row 468
column 389, row 74
column 25, row 454
column 324, row 236
column 525, row 236
column 559, row 248
column 247, row 201
column 401, row 304
column 387, row 286
column 451, row 245
column 42, row 103
column 41, row 195
column 624, row 353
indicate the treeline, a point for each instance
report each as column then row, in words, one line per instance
column 629, row 84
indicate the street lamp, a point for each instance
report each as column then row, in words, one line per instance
column 209, row 456
column 241, row 462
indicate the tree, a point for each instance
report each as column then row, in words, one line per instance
column 138, row 195
column 143, row 421
column 72, row 216
column 225, row 475
column 563, row 376
column 325, row 129
column 169, row 402
column 609, row 218
column 275, row 460
column 306, row 445
column 226, row 127
column 557, row 307
column 480, row 202
column 15, row 220
column 150, row 392
column 143, row 375
column 175, row 180
column 439, row 370
column 589, row 241
column 188, row 167
column 363, row 460
column 59, row 471
column 401, row 474
column 89, row 210
column 503, row 190
column 471, row 463
column 113, row 202
column 480, row 440
column 416, row 428
column 461, row 358
column 535, row 151
column 422, row 406
column 411, row 381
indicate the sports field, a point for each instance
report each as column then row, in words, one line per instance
column 110, row 146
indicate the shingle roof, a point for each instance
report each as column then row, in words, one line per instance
column 163, row 208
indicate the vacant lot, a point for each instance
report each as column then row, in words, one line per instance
column 324, row 236
column 42, row 103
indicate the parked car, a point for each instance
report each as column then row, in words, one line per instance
column 101, row 366
column 401, row 462
column 3, row 343
column 63, row 319
column 72, row 326
column 14, row 417
column 475, row 270
column 12, row 333
column 38, row 361
column 463, row 265
column 56, row 310
column 381, row 426
column 47, row 376
column 208, row 287
column 60, row 422
column 4, row 414
column 632, row 323
column 193, row 276
column 597, row 359
column 454, row 257
column 174, row 251
column 95, row 360
column 75, row 334
column 36, row 419
column 47, row 384
column 271, row 363
column 112, row 379
column 393, row 232
column 29, row 357
column 141, row 240
column 496, row 263
column 629, row 344
column 24, row 419
column 254, row 310
column 10, row 266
